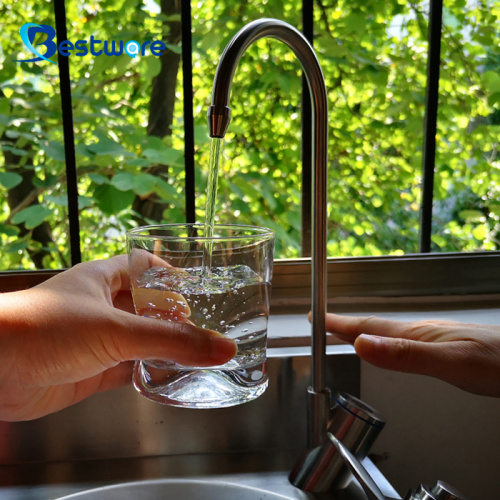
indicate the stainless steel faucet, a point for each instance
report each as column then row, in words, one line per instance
column 321, row 467
column 219, row 115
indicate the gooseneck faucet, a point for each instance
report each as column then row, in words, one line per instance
column 219, row 115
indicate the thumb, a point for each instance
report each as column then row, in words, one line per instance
column 184, row 343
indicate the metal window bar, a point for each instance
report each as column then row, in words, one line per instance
column 430, row 123
column 306, row 125
column 187, row 79
column 69, row 136
column 429, row 141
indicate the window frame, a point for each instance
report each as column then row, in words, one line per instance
column 365, row 280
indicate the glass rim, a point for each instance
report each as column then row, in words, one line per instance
column 258, row 232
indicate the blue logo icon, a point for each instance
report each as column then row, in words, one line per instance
column 132, row 48
column 28, row 32
column 81, row 48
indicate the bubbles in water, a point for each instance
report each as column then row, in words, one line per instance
column 221, row 301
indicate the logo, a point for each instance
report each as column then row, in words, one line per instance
column 27, row 36
column 81, row 48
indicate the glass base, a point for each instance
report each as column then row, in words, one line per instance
column 200, row 388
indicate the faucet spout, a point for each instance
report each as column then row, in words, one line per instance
column 219, row 115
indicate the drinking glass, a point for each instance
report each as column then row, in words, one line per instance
column 221, row 283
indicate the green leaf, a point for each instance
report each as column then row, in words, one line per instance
column 138, row 162
column 480, row 232
column 10, row 180
column 166, row 191
column 8, row 230
column 32, row 216
column 109, row 147
column 8, row 71
column 491, row 81
column 54, row 150
column 49, row 180
column 150, row 67
column 14, row 150
column 144, row 184
column 201, row 134
column 164, row 156
column 471, row 215
column 141, row 184
column 123, row 181
column 17, row 247
column 176, row 49
column 111, row 200
column 98, row 179
column 62, row 201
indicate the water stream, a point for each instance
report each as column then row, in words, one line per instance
column 213, row 176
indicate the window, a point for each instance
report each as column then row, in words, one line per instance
column 141, row 144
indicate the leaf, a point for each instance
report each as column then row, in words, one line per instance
column 144, row 184
column 32, row 216
column 98, row 179
column 49, row 180
column 17, row 247
column 109, row 147
column 10, row 180
column 62, row 201
column 167, row 192
column 123, row 181
column 8, row 230
column 201, row 134
column 471, row 215
column 54, row 150
column 141, row 184
column 138, row 162
column 13, row 150
column 480, row 232
column 491, row 81
column 176, row 49
column 8, row 71
column 111, row 200
column 151, row 67
column 164, row 156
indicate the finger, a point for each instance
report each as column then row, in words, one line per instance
column 117, row 376
column 115, row 271
column 182, row 342
column 350, row 327
column 461, row 363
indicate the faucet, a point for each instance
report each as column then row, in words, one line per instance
column 219, row 116
column 320, row 468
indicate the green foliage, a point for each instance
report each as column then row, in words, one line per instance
column 373, row 55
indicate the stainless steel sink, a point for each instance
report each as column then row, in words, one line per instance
column 244, row 486
column 179, row 489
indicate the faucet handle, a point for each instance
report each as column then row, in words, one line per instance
column 440, row 491
column 369, row 486
column 355, row 425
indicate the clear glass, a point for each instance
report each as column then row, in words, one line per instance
column 171, row 281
